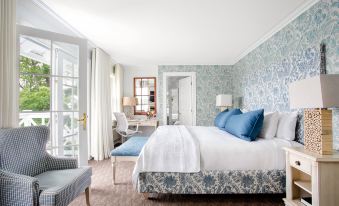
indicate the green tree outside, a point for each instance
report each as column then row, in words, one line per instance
column 34, row 85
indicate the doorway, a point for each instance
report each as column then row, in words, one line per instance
column 53, row 87
column 179, row 98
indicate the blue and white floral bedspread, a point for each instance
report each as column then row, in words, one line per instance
column 213, row 182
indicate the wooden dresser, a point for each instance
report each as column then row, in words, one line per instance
column 311, row 175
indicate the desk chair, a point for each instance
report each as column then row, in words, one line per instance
column 122, row 126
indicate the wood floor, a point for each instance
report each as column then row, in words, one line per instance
column 104, row 193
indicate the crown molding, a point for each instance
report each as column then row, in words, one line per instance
column 292, row 16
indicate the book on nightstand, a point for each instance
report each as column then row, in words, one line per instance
column 306, row 201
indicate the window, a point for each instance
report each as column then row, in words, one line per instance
column 145, row 92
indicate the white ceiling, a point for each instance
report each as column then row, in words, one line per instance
column 158, row 32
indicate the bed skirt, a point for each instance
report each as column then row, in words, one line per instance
column 213, row 182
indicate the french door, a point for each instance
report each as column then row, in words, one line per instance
column 53, row 89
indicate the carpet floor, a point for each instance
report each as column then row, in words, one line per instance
column 104, row 193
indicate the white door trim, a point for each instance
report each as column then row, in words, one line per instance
column 193, row 98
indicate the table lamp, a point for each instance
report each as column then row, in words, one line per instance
column 224, row 101
column 316, row 95
column 129, row 102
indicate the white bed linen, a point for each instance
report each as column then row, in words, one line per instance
column 220, row 150
column 169, row 149
column 191, row 149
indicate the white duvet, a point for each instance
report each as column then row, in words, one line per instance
column 220, row 150
column 191, row 149
column 170, row 149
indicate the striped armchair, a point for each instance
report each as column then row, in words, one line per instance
column 30, row 176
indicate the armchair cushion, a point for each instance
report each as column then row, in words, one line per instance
column 16, row 189
column 60, row 187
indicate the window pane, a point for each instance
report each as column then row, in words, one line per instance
column 145, row 99
column 151, row 99
column 65, row 94
column 35, row 55
column 151, row 82
column 70, row 123
column 145, row 91
column 137, row 91
column 66, row 59
column 145, row 108
column 64, row 130
column 137, row 83
column 34, row 93
column 71, row 151
column 139, row 100
column 138, row 108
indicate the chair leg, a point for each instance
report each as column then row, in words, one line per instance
column 114, row 168
column 146, row 196
column 87, row 191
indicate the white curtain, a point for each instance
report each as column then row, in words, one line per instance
column 101, row 115
column 117, row 87
column 8, row 71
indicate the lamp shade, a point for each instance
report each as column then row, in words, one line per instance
column 224, row 100
column 129, row 101
column 315, row 92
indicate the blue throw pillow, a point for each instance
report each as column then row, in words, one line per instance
column 246, row 126
column 222, row 117
column 218, row 119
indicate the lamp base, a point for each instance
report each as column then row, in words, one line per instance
column 318, row 131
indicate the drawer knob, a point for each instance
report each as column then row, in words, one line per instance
column 297, row 163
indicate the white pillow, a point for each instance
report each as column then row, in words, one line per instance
column 270, row 126
column 286, row 125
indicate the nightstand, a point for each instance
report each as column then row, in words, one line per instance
column 311, row 175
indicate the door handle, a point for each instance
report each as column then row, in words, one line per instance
column 83, row 120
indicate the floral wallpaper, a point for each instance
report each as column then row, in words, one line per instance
column 211, row 81
column 262, row 77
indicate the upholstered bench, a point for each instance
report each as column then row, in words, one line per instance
column 128, row 151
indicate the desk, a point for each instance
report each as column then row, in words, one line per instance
column 144, row 123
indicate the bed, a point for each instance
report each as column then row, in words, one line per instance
column 207, row 160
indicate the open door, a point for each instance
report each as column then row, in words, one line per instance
column 185, row 101
column 53, row 88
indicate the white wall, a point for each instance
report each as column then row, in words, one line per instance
column 134, row 71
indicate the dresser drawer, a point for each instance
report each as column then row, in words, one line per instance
column 301, row 163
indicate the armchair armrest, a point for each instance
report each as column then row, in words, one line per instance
column 61, row 163
column 18, row 189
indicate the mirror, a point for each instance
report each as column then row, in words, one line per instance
column 145, row 92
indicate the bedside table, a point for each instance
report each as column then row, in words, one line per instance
column 311, row 175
